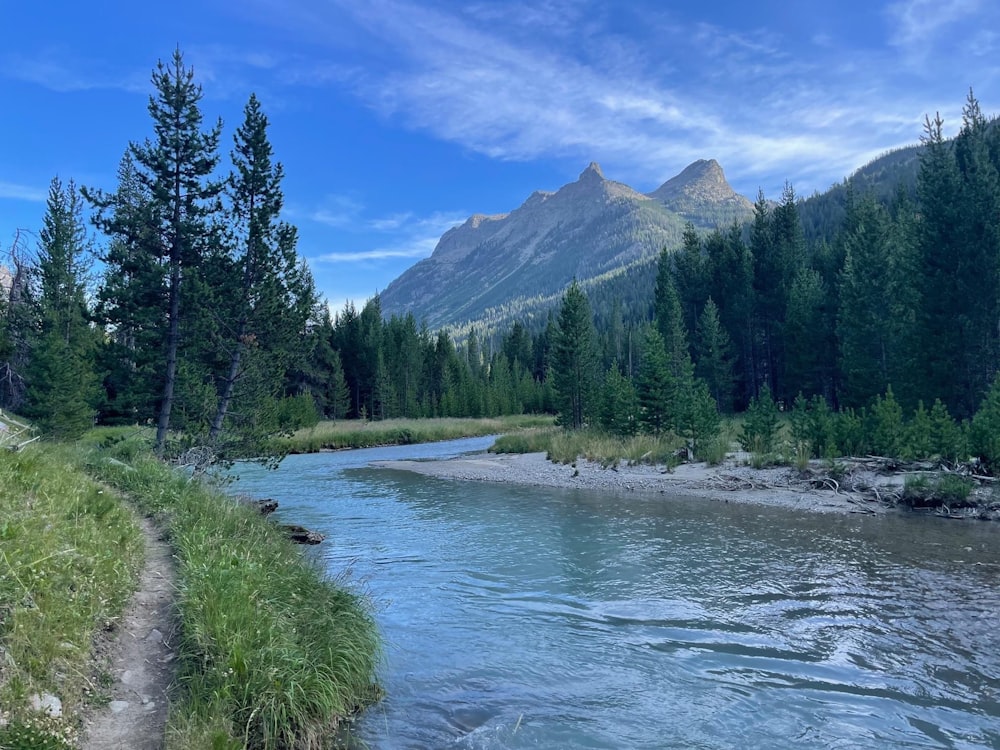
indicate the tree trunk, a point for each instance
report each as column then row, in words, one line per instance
column 173, row 340
column 229, row 385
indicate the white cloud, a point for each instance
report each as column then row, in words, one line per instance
column 339, row 211
column 558, row 78
column 917, row 22
column 410, row 237
column 13, row 191
column 64, row 72
column 419, row 250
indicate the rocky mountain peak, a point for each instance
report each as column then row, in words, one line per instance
column 592, row 172
column 700, row 185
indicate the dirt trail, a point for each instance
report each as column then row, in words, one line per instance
column 140, row 659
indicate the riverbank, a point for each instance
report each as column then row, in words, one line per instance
column 859, row 489
column 271, row 652
column 258, row 646
column 356, row 433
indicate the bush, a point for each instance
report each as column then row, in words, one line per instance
column 947, row 439
column 813, row 427
column 949, row 489
column 919, row 443
column 851, row 435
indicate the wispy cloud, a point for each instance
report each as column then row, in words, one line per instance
column 917, row 22
column 340, row 211
column 567, row 86
column 419, row 250
column 13, row 191
column 408, row 236
column 63, row 72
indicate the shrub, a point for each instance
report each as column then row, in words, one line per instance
column 851, row 435
column 949, row 489
column 918, row 442
column 813, row 427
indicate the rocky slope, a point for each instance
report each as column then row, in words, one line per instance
column 504, row 265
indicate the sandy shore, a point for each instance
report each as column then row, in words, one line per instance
column 731, row 482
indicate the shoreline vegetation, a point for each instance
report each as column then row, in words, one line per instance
column 355, row 433
column 271, row 652
column 591, row 460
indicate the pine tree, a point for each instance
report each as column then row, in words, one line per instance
column 619, row 404
column 670, row 317
column 131, row 299
column 864, row 329
column 691, row 278
column 714, row 356
column 574, row 359
column 338, row 397
column 943, row 302
column 62, row 383
column 656, row 386
column 176, row 168
column 805, row 334
column 269, row 293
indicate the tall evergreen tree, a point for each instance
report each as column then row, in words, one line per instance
column 714, row 356
column 62, row 383
column 656, row 386
column 574, row 358
column 176, row 168
column 670, row 316
column 269, row 294
column 805, row 335
column 864, row 329
column 941, row 290
column 691, row 278
column 131, row 299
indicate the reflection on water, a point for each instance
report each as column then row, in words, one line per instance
column 521, row 617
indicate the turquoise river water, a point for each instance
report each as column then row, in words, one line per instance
column 519, row 617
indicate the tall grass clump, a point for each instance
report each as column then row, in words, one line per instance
column 273, row 654
column 70, row 555
column 566, row 446
column 363, row 434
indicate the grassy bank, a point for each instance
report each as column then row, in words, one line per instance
column 70, row 554
column 272, row 653
column 566, row 446
column 362, row 434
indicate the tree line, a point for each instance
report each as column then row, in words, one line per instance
column 203, row 320
column 900, row 308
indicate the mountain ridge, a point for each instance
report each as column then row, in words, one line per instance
column 583, row 230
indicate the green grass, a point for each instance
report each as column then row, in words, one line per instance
column 566, row 446
column 273, row 654
column 70, row 554
column 921, row 491
column 362, row 434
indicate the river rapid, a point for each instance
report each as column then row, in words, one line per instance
column 523, row 617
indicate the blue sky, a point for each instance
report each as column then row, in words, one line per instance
column 395, row 119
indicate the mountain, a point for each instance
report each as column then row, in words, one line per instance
column 702, row 196
column 494, row 268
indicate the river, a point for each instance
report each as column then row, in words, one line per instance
column 520, row 617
